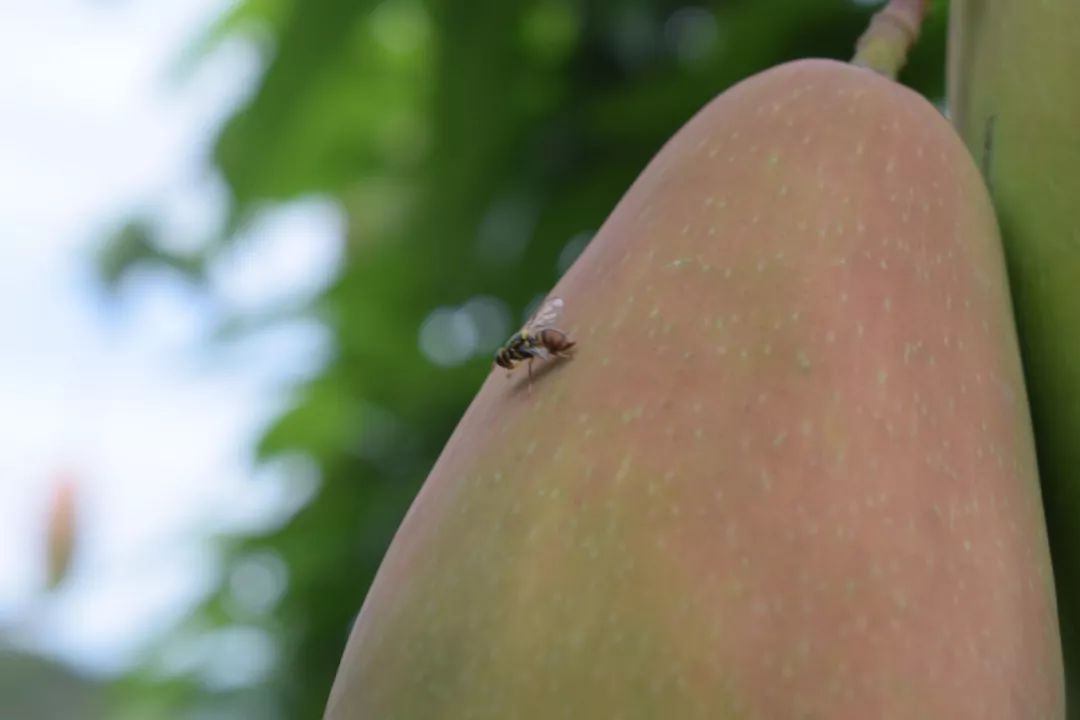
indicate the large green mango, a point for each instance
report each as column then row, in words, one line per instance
column 1014, row 92
column 788, row 474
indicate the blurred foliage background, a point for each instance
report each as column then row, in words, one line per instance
column 474, row 148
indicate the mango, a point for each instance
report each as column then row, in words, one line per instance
column 1015, row 99
column 788, row 474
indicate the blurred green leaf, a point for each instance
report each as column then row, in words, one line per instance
column 135, row 245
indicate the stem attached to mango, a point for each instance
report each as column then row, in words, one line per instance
column 892, row 31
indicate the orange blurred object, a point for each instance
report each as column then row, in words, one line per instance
column 62, row 529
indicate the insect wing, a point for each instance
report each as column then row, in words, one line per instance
column 546, row 316
column 539, row 352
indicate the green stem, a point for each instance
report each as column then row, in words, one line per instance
column 892, row 31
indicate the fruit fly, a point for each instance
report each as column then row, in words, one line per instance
column 537, row 339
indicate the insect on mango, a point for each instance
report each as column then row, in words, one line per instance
column 537, row 339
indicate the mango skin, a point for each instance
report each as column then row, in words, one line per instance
column 1015, row 98
column 789, row 474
